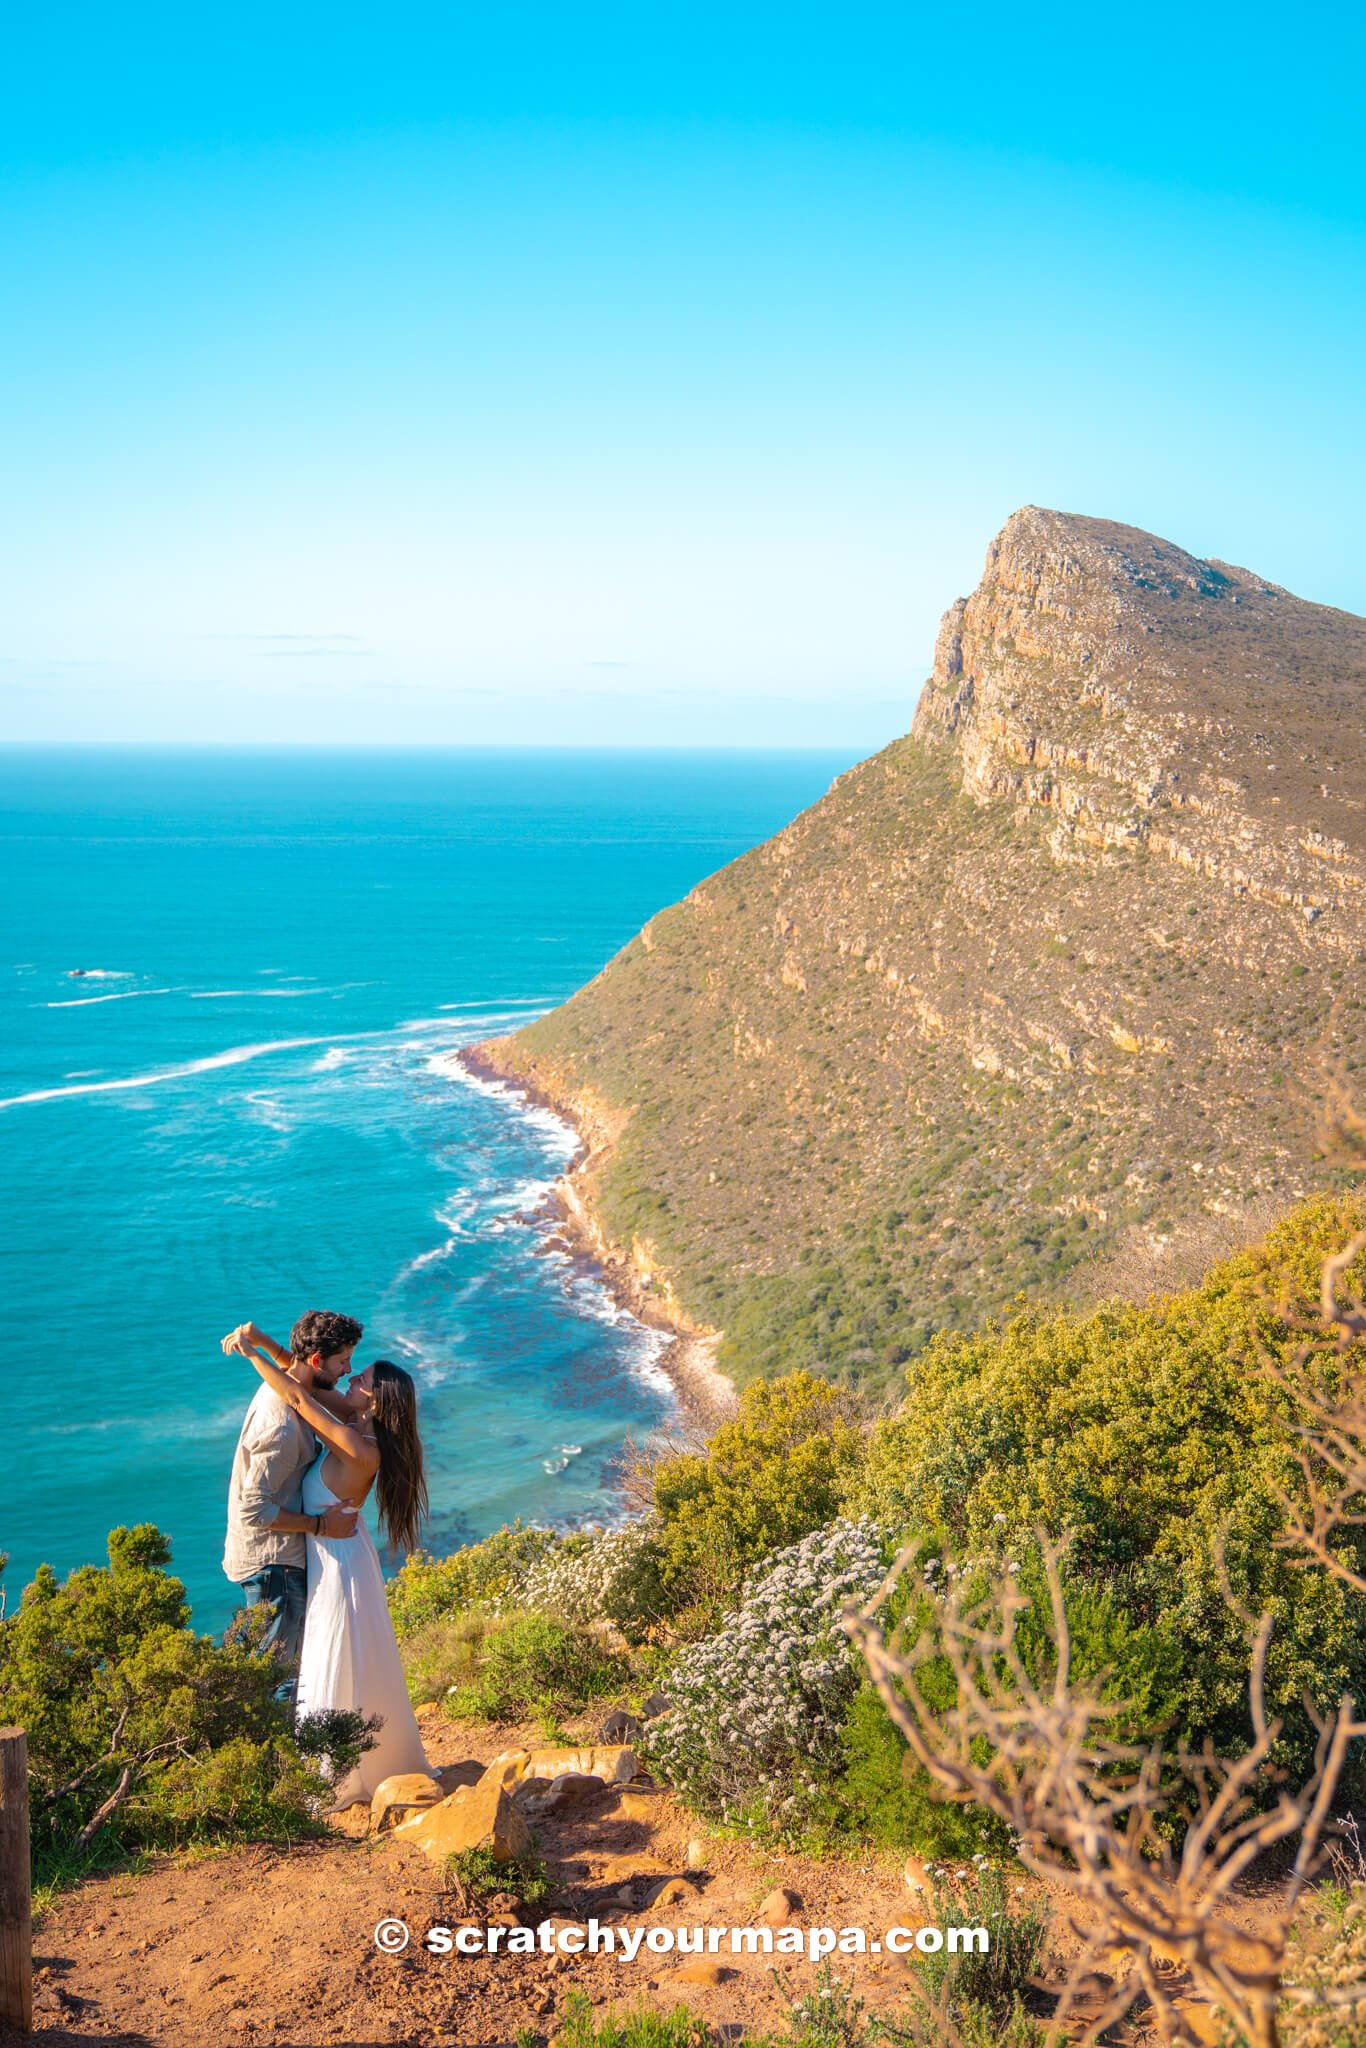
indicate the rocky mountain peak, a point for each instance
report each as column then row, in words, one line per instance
column 1073, row 969
column 1147, row 696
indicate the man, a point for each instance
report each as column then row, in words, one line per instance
column 265, row 1551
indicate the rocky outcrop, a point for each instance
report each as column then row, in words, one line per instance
column 1145, row 698
column 1075, row 962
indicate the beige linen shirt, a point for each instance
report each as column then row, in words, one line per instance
column 273, row 1452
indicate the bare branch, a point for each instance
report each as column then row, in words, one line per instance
column 1035, row 1746
column 110, row 1807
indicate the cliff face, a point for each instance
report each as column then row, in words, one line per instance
column 1077, row 961
column 1146, row 697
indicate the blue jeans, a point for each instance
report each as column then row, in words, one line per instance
column 283, row 1588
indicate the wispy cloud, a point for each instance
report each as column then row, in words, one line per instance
column 45, row 663
column 304, row 653
column 294, row 646
column 293, row 639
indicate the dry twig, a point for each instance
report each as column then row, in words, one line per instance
column 1325, row 1380
column 1031, row 1744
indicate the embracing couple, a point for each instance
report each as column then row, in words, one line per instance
column 307, row 1458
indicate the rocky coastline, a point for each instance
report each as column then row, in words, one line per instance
column 703, row 1395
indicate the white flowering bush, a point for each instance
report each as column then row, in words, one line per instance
column 589, row 1582
column 754, row 1732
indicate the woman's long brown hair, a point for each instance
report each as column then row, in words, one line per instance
column 401, row 1484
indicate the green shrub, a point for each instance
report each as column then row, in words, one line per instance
column 431, row 1589
column 886, row 1797
column 477, row 1876
column 978, row 2029
column 243, row 1789
column 122, row 1702
column 993, row 1984
column 639, row 2027
column 512, row 1666
column 1327, row 1957
column 770, row 1476
column 444, row 1655
column 831, row 2016
column 1151, row 1434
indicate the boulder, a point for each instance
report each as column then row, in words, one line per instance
column 450, row 1777
column 639, row 1806
column 571, row 1788
column 617, row 1726
column 529, row 1791
column 658, row 1703
column 778, row 1908
column 508, row 1768
column 701, row 1970
column 614, row 1763
column 695, row 1855
column 673, row 1892
column 477, row 1816
column 395, row 1797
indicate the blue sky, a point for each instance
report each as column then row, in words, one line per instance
column 441, row 373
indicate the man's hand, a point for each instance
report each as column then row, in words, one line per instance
column 241, row 1339
column 338, row 1521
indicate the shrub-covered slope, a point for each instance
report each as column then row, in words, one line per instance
column 1078, row 958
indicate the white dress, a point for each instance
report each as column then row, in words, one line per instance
column 350, row 1657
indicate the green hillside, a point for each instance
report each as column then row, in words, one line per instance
column 1073, row 967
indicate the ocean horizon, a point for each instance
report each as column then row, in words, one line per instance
column 236, row 980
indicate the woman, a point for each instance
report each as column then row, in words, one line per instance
column 350, row 1657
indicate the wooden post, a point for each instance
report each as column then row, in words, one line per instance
column 16, row 1898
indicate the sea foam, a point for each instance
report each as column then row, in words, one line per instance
column 235, row 1056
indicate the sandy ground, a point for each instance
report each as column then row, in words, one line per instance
column 275, row 1947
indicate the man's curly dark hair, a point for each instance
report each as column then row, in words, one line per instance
column 322, row 1329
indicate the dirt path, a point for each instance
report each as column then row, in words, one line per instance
column 275, row 1947
column 269, row 1946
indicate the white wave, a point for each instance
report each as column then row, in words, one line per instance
column 448, row 1065
column 406, row 1345
column 101, row 973
column 235, row 1056
column 270, row 1111
column 457, row 1215
column 592, row 1300
column 534, row 1115
column 431, row 1258
column 123, row 995
column 217, row 995
column 499, row 1003
column 526, row 1194
column 336, row 1056
column 646, row 1366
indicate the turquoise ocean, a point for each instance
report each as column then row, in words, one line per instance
column 245, row 1104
